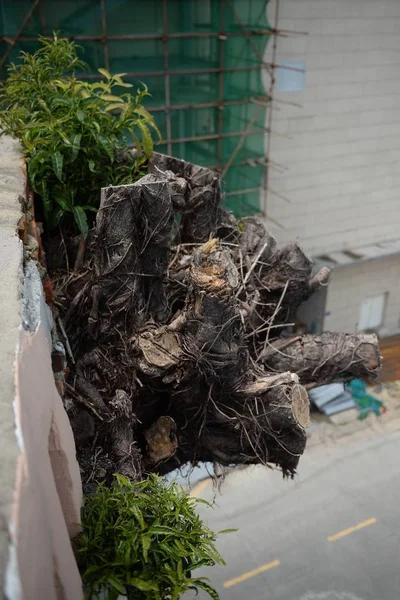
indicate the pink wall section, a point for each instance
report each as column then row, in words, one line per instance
column 48, row 492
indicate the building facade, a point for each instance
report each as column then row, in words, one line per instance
column 334, row 176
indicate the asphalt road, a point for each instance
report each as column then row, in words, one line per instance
column 332, row 534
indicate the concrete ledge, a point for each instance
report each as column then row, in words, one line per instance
column 12, row 184
column 40, row 487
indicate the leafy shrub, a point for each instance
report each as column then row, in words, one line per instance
column 143, row 540
column 68, row 129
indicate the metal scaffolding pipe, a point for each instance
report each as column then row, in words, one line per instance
column 255, row 62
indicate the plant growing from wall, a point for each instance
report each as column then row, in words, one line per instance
column 143, row 540
column 73, row 131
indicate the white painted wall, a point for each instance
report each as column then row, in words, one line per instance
column 350, row 285
column 343, row 155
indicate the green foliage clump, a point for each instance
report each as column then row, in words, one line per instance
column 143, row 540
column 71, row 131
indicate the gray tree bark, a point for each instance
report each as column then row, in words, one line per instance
column 177, row 330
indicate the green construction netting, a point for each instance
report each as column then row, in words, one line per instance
column 238, row 55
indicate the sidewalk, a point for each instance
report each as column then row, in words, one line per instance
column 323, row 430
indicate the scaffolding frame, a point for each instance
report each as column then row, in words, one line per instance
column 265, row 102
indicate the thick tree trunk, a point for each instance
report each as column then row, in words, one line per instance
column 324, row 358
column 177, row 326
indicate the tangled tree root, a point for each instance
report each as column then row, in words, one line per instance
column 175, row 322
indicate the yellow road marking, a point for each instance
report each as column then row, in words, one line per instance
column 199, row 487
column 271, row 565
column 340, row 534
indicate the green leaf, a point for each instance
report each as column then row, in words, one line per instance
column 122, row 480
column 140, row 110
column 116, row 584
column 90, row 101
column 43, row 105
column 76, row 145
column 105, row 73
column 136, row 140
column 143, row 585
column 64, row 138
column 124, row 84
column 206, row 587
column 99, row 85
column 57, row 161
column 227, row 531
column 55, row 216
column 112, row 594
column 80, row 115
column 215, row 555
column 111, row 98
column 147, row 142
column 63, row 85
column 180, row 569
column 106, row 145
column 203, row 562
column 59, row 100
column 146, row 543
column 155, row 128
column 144, row 91
column 138, row 515
column 180, row 546
column 202, row 501
column 92, row 569
column 64, row 202
column 44, row 192
column 161, row 529
column 92, row 166
column 114, row 106
column 81, row 220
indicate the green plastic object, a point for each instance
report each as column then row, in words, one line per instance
column 365, row 402
column 188, row 53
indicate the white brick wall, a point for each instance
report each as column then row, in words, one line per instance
column 350, row 285
column 342, row 159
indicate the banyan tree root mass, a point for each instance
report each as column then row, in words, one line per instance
column 177, row 324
